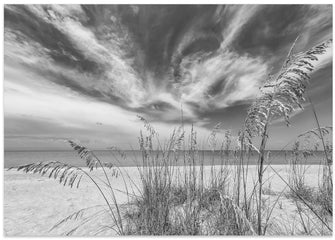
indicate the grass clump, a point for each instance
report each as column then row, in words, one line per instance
column 179, row 201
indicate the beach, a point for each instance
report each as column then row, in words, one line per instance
column 182, row 119
column 34, row 204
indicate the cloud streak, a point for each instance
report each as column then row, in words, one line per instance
column 149, row 60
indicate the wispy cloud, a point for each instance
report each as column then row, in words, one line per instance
column 221, row 80
column 72, row 66
column 234, row 18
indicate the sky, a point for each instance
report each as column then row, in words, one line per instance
column 86, row 72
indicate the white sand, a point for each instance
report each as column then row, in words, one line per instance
column 33, row 204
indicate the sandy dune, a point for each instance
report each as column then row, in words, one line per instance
column 34, row 204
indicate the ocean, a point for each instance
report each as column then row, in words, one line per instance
column 134, row 158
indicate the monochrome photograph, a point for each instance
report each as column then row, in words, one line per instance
column 167, row 119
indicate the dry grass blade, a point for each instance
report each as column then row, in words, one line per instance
column 74, row 216
column 303, row 201
column 271, row 210
column 147, row 125
column 212, row 137
column 66, row 174
column 91, row 159
column 241, row 219
column 280, row 96
column 177, row 142
column 84, row 221
column 316, row 131
column 283, row 94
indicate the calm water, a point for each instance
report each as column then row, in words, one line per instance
column 12, row 159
